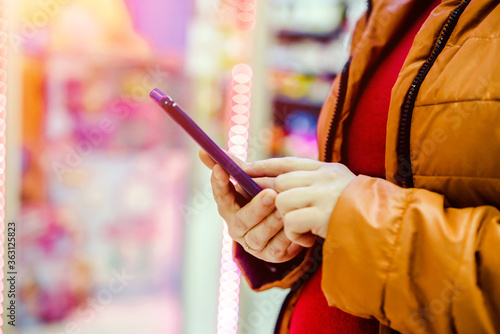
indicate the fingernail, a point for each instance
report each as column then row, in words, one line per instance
column 268, row 199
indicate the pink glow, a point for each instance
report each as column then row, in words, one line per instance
column 3, row 101
column 229, row 289
column 246, row 14
column 241, row 95
column 227, row 320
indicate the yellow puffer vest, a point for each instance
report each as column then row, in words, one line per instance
column 420, row 251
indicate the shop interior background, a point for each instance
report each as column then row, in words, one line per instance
column 117, row 231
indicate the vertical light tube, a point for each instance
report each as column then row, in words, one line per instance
column 239, row 115
column 229, row 288
column 4, row 38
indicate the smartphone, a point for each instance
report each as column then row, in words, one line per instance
column 205, row 142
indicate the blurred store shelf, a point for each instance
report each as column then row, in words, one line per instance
column 309, row 46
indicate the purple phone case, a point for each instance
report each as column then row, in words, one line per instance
column 219, row 156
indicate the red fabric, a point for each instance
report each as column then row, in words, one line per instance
column 312, row 315
column 365, row 144
column 365, row 154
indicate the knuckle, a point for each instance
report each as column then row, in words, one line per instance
column 260, row 165
column 287, row 221
column 268, row 226
column 279, row 182
column 290, row 235
column 328, row 174
column 218, row 197
column 275, row 252
column 237, row 225
column 280, row 202
column 288, row 227
column 213, row 181
column 255, row 240
column 235, row 228
column 217, row 191
column 232, row 233
column 340, row 168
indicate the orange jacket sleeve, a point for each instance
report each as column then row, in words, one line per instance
column 403, row 257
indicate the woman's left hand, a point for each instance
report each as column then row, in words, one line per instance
column 307, row 193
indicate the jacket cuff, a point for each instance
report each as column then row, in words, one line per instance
column 355, row 273
column 262, row 275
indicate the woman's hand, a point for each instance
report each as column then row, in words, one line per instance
column 257, row 225
column 307, row 193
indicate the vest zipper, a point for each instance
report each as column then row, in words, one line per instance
column 369, row 9
column 404, row 175
column 341, row 98
column 338, row 108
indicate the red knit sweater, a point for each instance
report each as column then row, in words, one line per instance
column 364, row 154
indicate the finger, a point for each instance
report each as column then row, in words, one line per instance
column 265, row 182
column 242, row 196
column 285, row 181
column 294, row 199
column 293, row 250
column 224, row 193
column 298, row 226
column 258, row 237
column 280, row 249
column 206, row 159
column 306, row 240
column 210, row 162
column 251, row 214
column 278, row 166
column 292, row 180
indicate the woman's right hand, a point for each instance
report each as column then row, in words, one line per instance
column 256, row 225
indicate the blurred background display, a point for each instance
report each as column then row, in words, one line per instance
column 102, row 173
column 117, row 231
column 308, row 48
